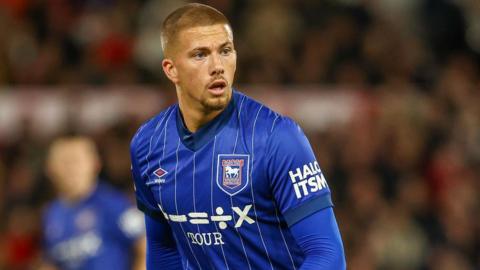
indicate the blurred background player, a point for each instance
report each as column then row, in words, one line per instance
column 91, row 225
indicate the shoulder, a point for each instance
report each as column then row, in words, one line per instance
column 110, row 199
column 52, row 209
column 288, row 139
column 110, row 195
column 119, row 212
column 284, row 126
column 256, row 114
column 141, row 140
column 274, row 129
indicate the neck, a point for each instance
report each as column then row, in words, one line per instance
column 195, row 115
column 194, row 119
column 73, row 196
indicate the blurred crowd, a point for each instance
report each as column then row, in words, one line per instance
column 405, row 175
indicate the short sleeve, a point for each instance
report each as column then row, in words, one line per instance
column 298, row 184
column 144, row 197
column 131, row 224
column 125, row 222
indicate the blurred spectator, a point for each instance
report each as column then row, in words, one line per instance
column 90, row 225
column 20, row 240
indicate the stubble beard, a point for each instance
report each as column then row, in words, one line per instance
column 212, row 104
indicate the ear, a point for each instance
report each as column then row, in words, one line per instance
column 170, row 70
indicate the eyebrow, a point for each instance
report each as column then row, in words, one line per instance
column 226, row 43
column 207, row 48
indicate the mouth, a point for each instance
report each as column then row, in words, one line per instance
column 217, row 87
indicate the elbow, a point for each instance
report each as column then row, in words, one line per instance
column 339, row 255
column 331, row 257
column 338, row 261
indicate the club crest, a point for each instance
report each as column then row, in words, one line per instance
column 232, row 173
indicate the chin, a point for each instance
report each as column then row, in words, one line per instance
column 217, row 103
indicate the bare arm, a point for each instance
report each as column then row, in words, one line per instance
column 140, row 253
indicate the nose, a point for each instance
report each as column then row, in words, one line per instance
column 216, row 67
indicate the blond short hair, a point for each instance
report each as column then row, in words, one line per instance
column 188, row 16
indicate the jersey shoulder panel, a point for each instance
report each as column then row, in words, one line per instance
column 110, row 198
column 298, row 183
column 285, row 125
column 255, row 114
column 141, row 141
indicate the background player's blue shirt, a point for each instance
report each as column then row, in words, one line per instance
column 95, row 233
column 230, row 190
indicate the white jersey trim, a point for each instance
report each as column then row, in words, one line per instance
column 176, row 207
column 251, row 189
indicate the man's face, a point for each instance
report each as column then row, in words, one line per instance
column 73, row 166
column 204, row 61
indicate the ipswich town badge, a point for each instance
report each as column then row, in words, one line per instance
column 232, row 172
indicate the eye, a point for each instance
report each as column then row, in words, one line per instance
column 226, row 51
column 199, row 55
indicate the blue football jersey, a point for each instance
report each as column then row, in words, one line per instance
column 95, row 233
column 231, row 190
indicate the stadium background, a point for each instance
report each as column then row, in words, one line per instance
column 388, row 92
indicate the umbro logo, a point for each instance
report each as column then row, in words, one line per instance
column 160, row 173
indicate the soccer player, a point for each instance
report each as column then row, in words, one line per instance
column 225, row 182
column 90, row 226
